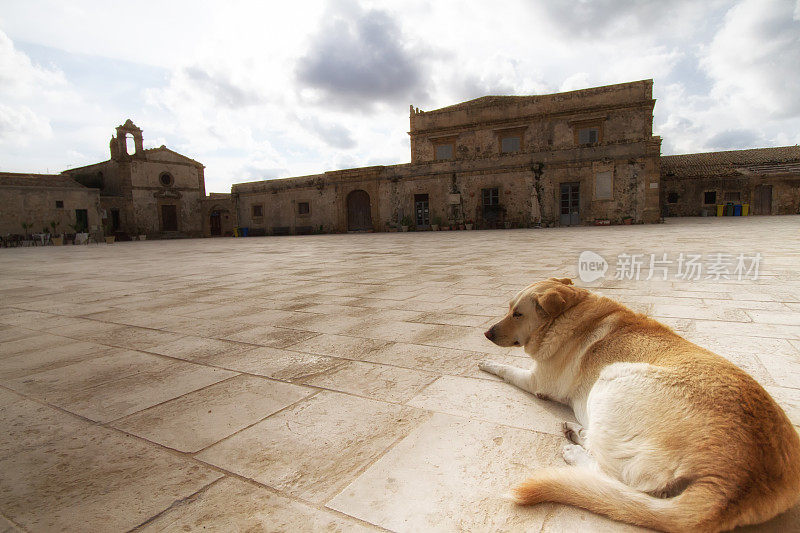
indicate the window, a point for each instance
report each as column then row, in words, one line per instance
column 166, row 179
column 509, row 145
column 444, row 151
column 672, row 198
column 589, row 135
column 258, row 210
column 491, row 197
column 303, row 208
column 733, row 196
column 422, row 210
column 602, row 185
column 59, row 204
column 710, row 197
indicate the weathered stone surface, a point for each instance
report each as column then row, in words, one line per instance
column 234, row 505
column 201, row 418
column 315, row 447
column 97, row 477
column 374, row 317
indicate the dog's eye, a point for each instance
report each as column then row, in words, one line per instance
column 516, row 314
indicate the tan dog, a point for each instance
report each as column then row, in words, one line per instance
column 674, row 437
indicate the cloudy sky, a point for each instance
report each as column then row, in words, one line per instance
column 267, row 89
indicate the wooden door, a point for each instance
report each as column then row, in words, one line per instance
column 169, row 217
column 359, row 216
column 216, row 223
column 763, row 200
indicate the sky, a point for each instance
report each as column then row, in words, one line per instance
column 268, row 89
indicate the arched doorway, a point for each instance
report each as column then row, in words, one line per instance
column 359, row 217
column 216, row 223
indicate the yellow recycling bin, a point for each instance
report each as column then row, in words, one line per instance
column 745, row 209
column 720, row 210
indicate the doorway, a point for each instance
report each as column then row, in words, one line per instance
column 422, row 210
column 762, row 204
column 570, row 204
column 82, row 220
column 216, row 223
column 115, row 221
column 359, row 217
column 169, row 217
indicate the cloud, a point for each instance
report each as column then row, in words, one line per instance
column 223, row 88
column 624, row 19
column 20, row 125
column 733, row 140
column 753, row 60
column 21, row 79
column 330, row 133
column 359, row 58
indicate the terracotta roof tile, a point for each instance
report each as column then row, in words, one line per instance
column 38, row 180
column 731, row 162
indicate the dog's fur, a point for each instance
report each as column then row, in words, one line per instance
column 674, row 437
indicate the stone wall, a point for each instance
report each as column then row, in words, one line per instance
column 37, row 204
column 528, row 180
column 767, row 179
column 622, row 113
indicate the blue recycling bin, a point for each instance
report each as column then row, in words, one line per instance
column 737, row 210
column 245, row 231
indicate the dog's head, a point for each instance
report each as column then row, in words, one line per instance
column 536, row 305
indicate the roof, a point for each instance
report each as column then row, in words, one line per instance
column 783, row 158
column 163, row 148
column 494, row 100
column 486, row 101
column 13, row 179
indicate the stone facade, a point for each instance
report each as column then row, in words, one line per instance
column 766, row 179
column 39, row 199
column 157, row 192
column 498, row 161
column 219, row 215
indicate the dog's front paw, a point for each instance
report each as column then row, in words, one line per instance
column 490, row 367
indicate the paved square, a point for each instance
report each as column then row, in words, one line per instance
column 329, row 382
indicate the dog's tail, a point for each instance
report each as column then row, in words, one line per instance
column 698, row 508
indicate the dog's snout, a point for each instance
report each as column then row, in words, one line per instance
column 489, row 333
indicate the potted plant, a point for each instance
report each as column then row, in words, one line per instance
column 57, row 239
column 142, row 234
column 627, row 220
column 27, row 226
column 470, row 224
column 405, row 223
column 71, row 237
column 437, row 221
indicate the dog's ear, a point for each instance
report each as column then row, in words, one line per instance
column 565, row 281
column 558, row 299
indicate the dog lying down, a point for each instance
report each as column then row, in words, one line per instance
column 671, row 436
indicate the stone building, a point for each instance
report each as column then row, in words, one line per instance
column 157, row 192
column 766, row 179
column 498, row 161
column 219, row 218
column 39, row 199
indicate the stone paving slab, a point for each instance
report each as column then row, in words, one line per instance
column 330, row 382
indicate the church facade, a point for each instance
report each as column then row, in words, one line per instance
column 155, row 192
